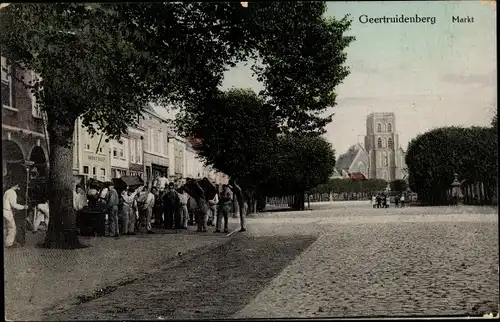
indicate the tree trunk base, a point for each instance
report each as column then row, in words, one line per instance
column 64, row 240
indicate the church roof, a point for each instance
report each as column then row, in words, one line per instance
column 345, row 160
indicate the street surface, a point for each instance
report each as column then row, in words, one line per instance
column 338, row 259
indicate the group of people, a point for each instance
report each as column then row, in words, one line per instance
column 382, row 201
column 166, row 205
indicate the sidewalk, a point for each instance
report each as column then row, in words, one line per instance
column 38, row 280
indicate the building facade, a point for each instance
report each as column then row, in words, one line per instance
column 177, row 154
column 387, row 159
column 91, row 154
column 156, row 158
column 24, row 132
column 136, row 137
column 355, row 160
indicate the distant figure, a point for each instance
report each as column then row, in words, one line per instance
column 396, row 201
column 402, row 201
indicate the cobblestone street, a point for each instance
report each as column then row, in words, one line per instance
column 338, row 259
column 37, row 280
column 379, row 262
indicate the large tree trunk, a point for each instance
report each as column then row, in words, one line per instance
column 62, row 231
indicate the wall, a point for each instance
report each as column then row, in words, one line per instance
column 155, row 144
column 22, row 124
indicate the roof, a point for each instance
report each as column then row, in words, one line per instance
column 345, row 160
column 357, row 176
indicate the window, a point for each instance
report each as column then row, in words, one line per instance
column 390, row 143
column 138, row 152
column 94, row 171
column 121, row 150
column 35, row 108
column 385, row 143
column 160, row 145
column 379, row 127
column 102, row 176
column 87, row 140
column 100, row 149
column 6, row 85
column 385, row 160
column 85, row 169
column 154, row 140
column 115, row 153
column 132, row 150
column 379, row 143
column 389, row 127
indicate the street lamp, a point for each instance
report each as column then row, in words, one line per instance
column 455, row 189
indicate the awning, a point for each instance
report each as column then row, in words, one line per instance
column 130, row 181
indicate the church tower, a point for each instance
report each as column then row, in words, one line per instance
column 382, row 145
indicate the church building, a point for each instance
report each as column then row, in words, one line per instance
column 381, row 157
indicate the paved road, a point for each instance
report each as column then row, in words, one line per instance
column 338, row 259
column 379, row 262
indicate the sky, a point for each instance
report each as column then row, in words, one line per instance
column 429, row 75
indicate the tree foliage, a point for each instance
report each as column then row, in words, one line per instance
column 399, row 185
column 300, row 60
column 241, row 138
column 104, row 62
column 350, row 186
column 434, row 157
column 297, row 164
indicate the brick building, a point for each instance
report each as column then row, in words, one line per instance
column 24, row 132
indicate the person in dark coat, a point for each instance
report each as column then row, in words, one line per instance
column 170, row 204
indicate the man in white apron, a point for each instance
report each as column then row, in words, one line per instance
column 10, row 204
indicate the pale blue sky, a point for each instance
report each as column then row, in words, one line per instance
column 428, row 75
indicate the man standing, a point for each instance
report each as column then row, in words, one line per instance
column 112, row 203
column 213, row 208
column 226, row 202
column 145, row 203
column 158, row 207
column 10, row 204
column 170, row 205
column 127, row 214
column 162, row 182
column 183, row 201
column 241, row 205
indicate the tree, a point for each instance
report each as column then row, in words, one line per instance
column 398, row 185
column 106, row 75
column 297, row 164
column 165, row 52
column 241, row 138
column 435, row 157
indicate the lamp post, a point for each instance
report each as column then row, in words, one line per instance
column 27, row 165
column 455, row 190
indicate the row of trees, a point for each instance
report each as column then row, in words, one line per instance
column 239, row 134
column 174, row 53
column 435, row 157
column 350, row 186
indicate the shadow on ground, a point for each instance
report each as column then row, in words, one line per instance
column 215, row 284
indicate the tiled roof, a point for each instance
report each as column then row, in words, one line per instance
column 345, row 160
column 357, row 176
